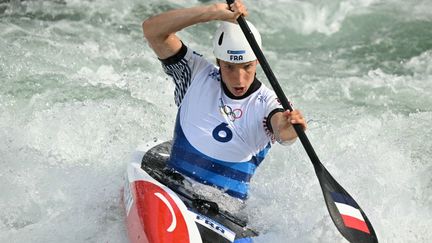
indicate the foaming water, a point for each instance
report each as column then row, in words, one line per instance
column 81, row 89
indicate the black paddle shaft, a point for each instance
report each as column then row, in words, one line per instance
column 362, row 231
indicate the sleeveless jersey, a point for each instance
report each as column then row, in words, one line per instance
column 218, row 140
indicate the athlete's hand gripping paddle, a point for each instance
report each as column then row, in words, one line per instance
column 347, row 215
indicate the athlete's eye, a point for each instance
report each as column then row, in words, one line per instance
column 230, row 67
column 249, row 66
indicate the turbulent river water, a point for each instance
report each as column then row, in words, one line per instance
column 80, row 89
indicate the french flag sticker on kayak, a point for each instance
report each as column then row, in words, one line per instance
column 350, row 212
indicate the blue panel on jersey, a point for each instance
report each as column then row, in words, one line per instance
column 233, row 177
column 232, row 187
column 218, row 168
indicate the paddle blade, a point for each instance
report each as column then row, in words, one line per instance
column 346, row 214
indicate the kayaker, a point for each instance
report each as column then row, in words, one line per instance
column 227, row 119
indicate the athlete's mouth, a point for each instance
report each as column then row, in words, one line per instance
column 239, row 90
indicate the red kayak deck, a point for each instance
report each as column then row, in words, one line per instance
column 160, row 210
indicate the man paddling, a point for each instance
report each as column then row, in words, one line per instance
column 227, row 119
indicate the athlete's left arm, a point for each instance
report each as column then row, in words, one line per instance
column 282, row 125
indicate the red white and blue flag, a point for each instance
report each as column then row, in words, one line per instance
column 350, row 212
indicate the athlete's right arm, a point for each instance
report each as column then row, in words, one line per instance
column 160, row 30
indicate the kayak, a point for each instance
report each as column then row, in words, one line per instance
column 160, row 208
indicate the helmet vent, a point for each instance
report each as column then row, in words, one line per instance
column 221, row 38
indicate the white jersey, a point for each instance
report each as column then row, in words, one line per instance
column 219, row 139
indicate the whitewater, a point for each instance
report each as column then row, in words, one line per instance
column 80, row 90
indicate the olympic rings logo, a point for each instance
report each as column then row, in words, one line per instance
column 230, row 113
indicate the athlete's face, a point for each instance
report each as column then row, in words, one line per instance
column 238, row 77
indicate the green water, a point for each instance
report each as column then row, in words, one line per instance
column 80, row 89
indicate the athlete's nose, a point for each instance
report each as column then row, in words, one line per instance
column 239, row 76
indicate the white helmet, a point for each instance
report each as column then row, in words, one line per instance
column 231, row 45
